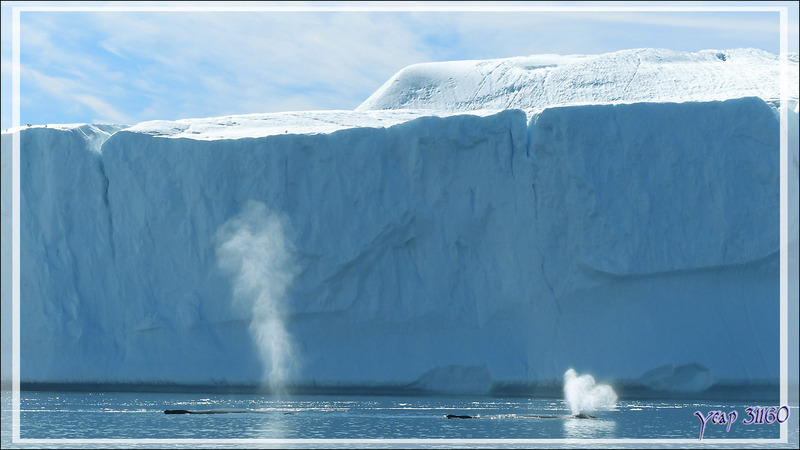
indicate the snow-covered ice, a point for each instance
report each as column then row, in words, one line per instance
column 472, row 248
column 535, row 82
column 271, row 124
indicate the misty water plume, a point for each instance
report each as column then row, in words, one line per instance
column 583, row 395
column 252, row 249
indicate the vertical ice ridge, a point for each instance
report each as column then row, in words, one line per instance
column 107, row 204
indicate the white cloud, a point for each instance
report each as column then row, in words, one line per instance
column 74, row 94
column 240, row 57
column 103, row 111
column 160, row 65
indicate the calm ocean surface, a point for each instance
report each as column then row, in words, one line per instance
column 134, row 416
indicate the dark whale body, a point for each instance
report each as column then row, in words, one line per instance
column 186, row 411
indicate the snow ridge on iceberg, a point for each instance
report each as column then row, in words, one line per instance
column 534, row 82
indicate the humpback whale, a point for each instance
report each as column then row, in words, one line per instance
column 211, row 411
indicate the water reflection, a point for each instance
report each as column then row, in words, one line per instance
column 124, row 416
column 589, row 428
column 272, row 425
column 274, row 420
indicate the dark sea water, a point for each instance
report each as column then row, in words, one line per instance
column 117, row 419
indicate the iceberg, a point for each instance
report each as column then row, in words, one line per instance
column 473, row 251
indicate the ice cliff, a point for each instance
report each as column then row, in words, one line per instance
column 402, row 249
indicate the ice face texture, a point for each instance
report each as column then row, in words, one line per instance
column 447, row 252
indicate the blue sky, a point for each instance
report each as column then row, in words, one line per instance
column 132, row 66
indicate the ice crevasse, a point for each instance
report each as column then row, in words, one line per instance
column 477, row 252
